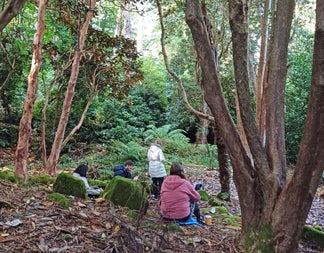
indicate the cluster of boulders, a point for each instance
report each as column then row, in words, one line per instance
column 121, row 191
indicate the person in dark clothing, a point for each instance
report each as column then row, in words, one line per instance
column 124, row 170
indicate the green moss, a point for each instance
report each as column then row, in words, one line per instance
column 318, row 227
column 59, row 198
column 8, row 175
column 259, row 240
column 204, row 195
column 222, row 210
column 42, row 179
column 214, row 202
column 231, row 221
column 313, row 235
column 69, row 185
column 125, row 192
column 132, row 214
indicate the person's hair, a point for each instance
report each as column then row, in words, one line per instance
column 81, row 170
column 129, row 163
column 177, row 169
column 158, row 141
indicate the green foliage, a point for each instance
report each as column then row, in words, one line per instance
column 66, row 161
column 59, row 198
column 69, row 185
column 173, row 140
column 99, row 183
column 130, row 151
column 297, row 91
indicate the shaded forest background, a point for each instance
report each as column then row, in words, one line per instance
column 123, row 111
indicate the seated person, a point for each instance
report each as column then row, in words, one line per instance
column 178, row 196
column 81, row 173
column 124, row 170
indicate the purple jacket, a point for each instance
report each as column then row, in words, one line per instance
column 176, row 194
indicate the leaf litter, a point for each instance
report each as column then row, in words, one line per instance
column 30, row 223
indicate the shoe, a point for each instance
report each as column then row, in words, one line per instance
column 201, row 219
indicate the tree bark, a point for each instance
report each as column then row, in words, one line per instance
column 9, row 12
column 243, row 171
column 57, row 144
column 270, row 206
column 295, row 201
column 22, row 150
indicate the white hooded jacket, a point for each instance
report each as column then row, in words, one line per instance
column 156, row 159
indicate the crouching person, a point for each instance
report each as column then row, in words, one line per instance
column 125, row 170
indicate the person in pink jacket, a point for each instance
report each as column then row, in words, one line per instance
column 178, row 196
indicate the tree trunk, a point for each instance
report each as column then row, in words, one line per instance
column 222, row 156
column 223, row 162
column 295, row 201
column 272, row 216
column 57, row 144
column 243, row 172
column 203, row 125
column 9, row 12
column 22, row 150
column 260, row 83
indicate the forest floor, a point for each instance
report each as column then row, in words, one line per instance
column 31, row 223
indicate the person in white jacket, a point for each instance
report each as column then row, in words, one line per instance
column 156, row 167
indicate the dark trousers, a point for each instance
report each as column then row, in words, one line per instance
column 194, row 209
column 157, row 183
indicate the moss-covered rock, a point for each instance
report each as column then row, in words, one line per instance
column 204, row 195
column 8, row 175
column 69, row 185
column 126, row 192
column 314, row 235
column 59, row 198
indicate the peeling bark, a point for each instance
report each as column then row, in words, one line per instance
column 57, row 144
column 22, row 150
